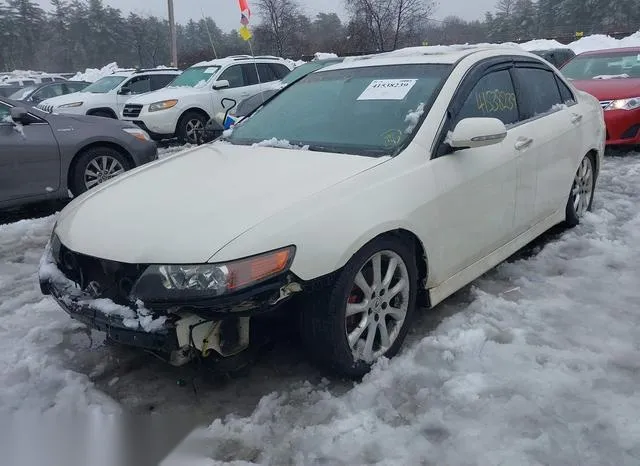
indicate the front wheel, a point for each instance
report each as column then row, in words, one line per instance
column 191, row 127
column 366, row 315
column 581, row 196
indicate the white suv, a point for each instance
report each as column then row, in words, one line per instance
column 186, row 105
column 106, row 97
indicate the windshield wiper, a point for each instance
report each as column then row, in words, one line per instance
column 349, row 150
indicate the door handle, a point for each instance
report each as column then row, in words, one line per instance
column 523, row 143
column 576, row 118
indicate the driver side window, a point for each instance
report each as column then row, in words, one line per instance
column 138, row 85
column 493, row 96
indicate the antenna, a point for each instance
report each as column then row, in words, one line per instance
column 206, row 25
column 255, row 64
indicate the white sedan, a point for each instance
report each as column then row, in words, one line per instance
column 343, row 197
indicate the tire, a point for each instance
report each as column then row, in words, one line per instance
column 105, row 162
column 103, row 114
column 188, row 122
column 582, row 190
column 324, row 321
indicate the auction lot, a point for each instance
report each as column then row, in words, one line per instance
column 534, row 363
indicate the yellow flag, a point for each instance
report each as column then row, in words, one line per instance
column 245, row 33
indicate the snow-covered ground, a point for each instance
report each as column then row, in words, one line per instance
column 537, row 363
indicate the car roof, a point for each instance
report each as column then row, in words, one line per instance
column 239, row 59
column 608, row 51
column 447, row 55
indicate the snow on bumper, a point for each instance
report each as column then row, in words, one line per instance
column 133, row 326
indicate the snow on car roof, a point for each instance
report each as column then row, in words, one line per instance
column 238, row 58
column 439, row 54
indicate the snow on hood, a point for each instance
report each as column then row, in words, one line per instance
column 324, row 55
column 69, row 98
column 186, row 207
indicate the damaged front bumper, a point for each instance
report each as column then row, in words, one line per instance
column 177, row 330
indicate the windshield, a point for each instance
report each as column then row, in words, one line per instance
column 104, row 85
column 22, row 93
column 194, row 77
column 363, row 111
column 604, row 66
column 305, row 69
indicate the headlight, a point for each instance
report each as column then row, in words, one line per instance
column 200, row 281
column 624, row 104
column 164, row 105
column 137, row 133
column 73, row 104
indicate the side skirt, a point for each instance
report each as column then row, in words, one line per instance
column 445, row 289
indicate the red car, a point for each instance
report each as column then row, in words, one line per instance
column 613, row 77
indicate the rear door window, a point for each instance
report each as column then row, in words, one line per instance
column 280, row 70
column 266, row 73
column 493, row 96
column 538, row 90
column 565, row 93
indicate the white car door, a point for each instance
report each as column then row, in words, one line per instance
column 240, row 85
column 478, row 186
column 135, row 86
column 554, row 130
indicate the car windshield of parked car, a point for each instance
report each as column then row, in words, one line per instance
column 614, row 65
column 104, row 85
column 22, row 93
column 194, row 77
column 364, row 111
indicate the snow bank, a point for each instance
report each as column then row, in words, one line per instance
column 586, row 44
column 324, row 55
column 92, row 74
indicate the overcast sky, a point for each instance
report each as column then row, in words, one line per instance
column 226, row 14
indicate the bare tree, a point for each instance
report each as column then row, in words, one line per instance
column 388, row 20
column 280, row 18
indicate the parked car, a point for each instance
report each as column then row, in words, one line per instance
column 7, row 90
column 36, row 93
column 557, row 57
column 192, row 99
column 107, row 96
column 613, row 77
column 249, row 104
column 350, row 191
column 44, row 156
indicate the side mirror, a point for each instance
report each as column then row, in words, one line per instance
column 220, row 84
column 124, row 91
column 477, row 132
column 20, row 115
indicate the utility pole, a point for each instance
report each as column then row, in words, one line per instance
column 173, row 35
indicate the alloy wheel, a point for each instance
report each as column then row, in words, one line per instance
column 102, row 169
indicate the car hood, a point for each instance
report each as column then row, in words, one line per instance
column 187, row 207
column 166, row 93
column 70, row 98
column 610, row 89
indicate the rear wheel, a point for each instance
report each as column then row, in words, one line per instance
column 581, row 196
column 95, row 166
column 367, row 314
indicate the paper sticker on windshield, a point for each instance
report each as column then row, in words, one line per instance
column 210, row 70
column 388, row 89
